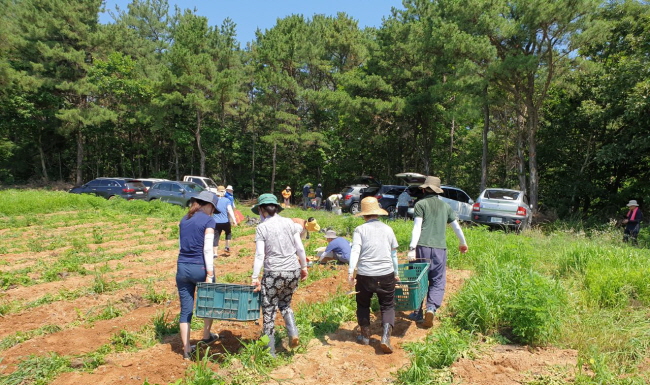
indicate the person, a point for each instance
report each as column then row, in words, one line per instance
column 305, row 196
column 306, row 226
column 223, row 218
column 278, row 247
column 338, row 249
column 429, row 245
column 286, row 194
column 632, row 222
column 230, row 195
column 403, row 201
column 318, row 195
column 195, row 263
column 332, row 201
column 374, row 256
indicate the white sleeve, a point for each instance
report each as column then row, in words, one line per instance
column 231, row 214
column 300, row 250
column 415, row 235
column 208, row 251
column 393, row 256
column 459, row 232
column 259, row 259
column 354, row 253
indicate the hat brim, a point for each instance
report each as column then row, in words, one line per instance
column 432, row 187
column 216, row 211
column 377, row 211
column 629, row 205
column 256, row 211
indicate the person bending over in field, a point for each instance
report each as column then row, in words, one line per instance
column 195, row 264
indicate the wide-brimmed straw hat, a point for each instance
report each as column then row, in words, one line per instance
column 370, row 206
column 330, row 234
column 208, row 197
column 266, row 199
column 432, row 182
column 632, row 203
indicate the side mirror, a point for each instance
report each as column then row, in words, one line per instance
column 471, row 201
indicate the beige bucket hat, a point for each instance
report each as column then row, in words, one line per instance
column 633, row 203
column 330, row 234
column 432, row 182
column 370, row 206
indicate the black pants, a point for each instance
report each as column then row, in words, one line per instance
column 225, row 227
column 402, row 211
column 384, row 287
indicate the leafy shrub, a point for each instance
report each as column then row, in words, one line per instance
column 511, row 300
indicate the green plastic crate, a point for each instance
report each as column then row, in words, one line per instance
column 227, row 301
column 412, row 287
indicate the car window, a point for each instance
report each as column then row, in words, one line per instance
column 164, row 187
column 104, row 183
column 93, row 183
column 193, row 187
column 112, row 183
column 155, row 186
column 449, row 193
column 504, row 195
column 462, row 196
column 176, row 188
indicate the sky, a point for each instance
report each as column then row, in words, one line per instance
column 252, row 14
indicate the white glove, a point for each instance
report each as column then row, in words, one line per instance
column 411, row 255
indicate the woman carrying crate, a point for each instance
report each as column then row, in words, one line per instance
column 374, row 255
column 195, row 263
column 280, row 250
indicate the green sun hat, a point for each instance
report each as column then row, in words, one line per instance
column 266, row 199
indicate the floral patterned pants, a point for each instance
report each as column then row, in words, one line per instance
column 277, row 291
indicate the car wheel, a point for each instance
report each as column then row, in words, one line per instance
column 354, row 208
column 391, row 211
column 112, row 197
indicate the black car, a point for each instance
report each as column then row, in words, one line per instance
column 110, row 188
column 387, row 197
column 360, row 188
column 178, row 193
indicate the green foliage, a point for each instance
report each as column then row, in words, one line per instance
column 124, row 341
column 164, row 326
column 37, row 370
column 429, row 358
column 156, row 296
column 512, row 300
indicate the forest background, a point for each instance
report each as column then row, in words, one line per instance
column 547, row 96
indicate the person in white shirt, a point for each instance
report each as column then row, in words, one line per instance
column 374, row 256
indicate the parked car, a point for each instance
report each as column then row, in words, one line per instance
column 148, row 182
column 360, row 188
column 174, row 192
column 500, row 207
column 458, row 199
column 110, row 188
column 203, row 181
column 387, row 197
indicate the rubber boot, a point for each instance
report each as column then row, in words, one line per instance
column 292, row 329
column 385, row 339
column 364, row 336
column 271, row 344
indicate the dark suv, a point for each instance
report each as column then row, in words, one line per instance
column 110, row 188
column 178, row 193
column 360, row 188
column 387, row 197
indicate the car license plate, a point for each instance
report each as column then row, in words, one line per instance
column 139, row 192
column 496, row 220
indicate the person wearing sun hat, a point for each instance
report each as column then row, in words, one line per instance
column 279, row 249
column 230, row 196
column 195, row 263
column 224, row 219
column 286, row 194
column 338, row 248
column 374, row 257
column 632, row 222
column 429, row 244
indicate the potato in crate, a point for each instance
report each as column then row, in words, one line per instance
column 412, row 287
column 227, row 302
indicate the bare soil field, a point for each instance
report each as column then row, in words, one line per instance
column 137, row 256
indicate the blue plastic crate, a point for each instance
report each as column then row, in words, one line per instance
column 227, row 301
column 412, row 287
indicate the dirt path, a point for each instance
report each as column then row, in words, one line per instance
column 333, row 359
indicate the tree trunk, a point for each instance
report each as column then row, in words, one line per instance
column 450, row 177
column 253, row 169
column 42, row 155
column 176, row 166
column 80, row 157
column 486, row 130
column 275, row 151
column 532, row 160
column 521, row 158
column 197, row 135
